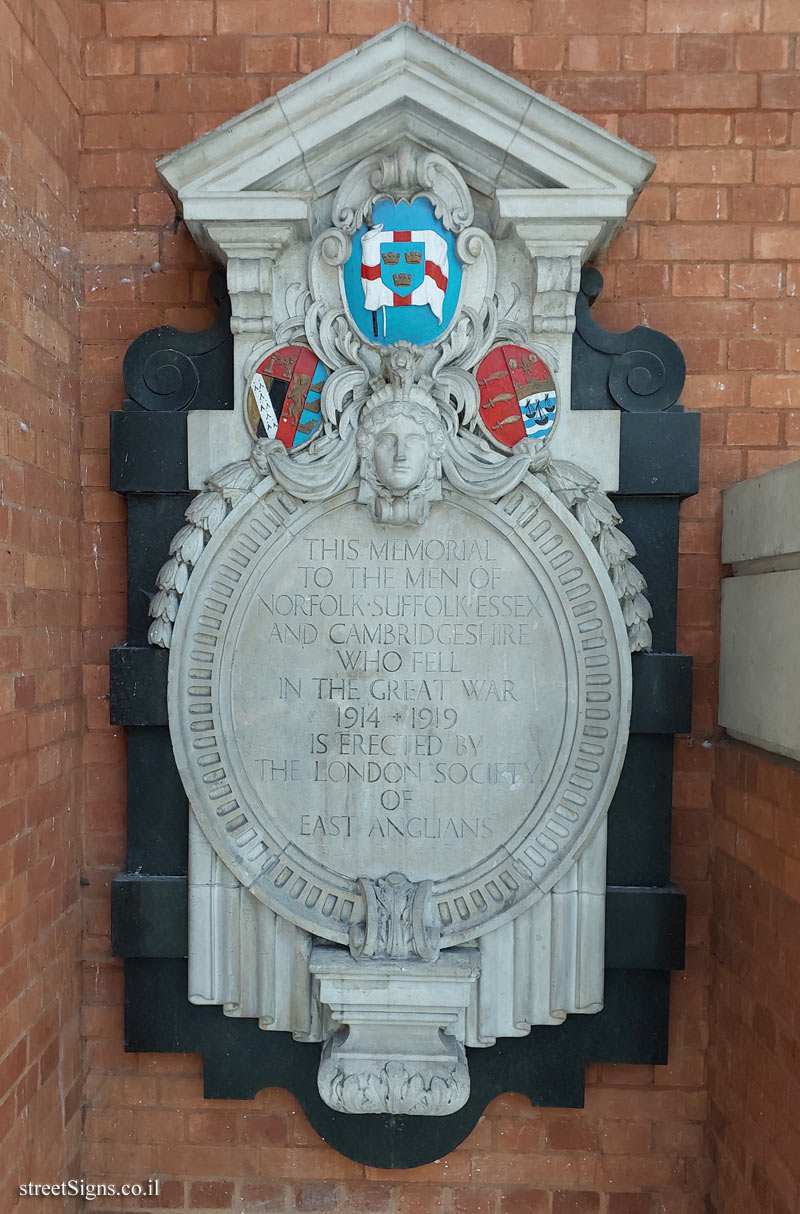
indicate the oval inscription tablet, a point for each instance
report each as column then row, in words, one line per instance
column 349, row 699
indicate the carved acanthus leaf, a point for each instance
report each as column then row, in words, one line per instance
column 394, row 1088
column 399, row 920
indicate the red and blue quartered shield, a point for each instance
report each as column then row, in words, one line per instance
column 283, row 400
column 517, row 395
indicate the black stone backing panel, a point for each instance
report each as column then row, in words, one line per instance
column 148, row 452
column 640, row 371
column 158, row 830
column 651, row 524
column 150, row 916
column 153, row 519
column 167, row 370
column 640, row 815
column 138, row 685
column 658, row 453
column 547, row 1066
column 645, row 928
column 662, row 693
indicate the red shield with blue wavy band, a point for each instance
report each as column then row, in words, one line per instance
column 517, row 395
column 283, row 399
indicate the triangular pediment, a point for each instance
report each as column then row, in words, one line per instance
column 404, row 83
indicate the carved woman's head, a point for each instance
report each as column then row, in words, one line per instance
column 400, row 445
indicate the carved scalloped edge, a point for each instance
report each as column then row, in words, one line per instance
column 574, row 488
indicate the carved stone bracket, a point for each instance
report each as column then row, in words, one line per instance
column 400, row 920
column 401, row 1048
column 252, row 250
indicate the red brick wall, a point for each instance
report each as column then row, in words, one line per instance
column 711, row 90
column 754, row 1059
column 41, row 712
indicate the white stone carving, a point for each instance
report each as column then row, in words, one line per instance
column 399, row 677
column 402, row 1050
column 406, row 173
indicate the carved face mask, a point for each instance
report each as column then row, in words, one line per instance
column 400, row 454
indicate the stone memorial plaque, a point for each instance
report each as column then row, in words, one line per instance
column 446, row 702
column 400, row 633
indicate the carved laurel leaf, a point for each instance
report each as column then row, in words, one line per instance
column 596, row 514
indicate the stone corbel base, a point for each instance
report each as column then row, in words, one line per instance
column 400, row 1049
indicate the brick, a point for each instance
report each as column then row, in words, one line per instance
column 374, row 1199
column 314, row 53
column 728, row 166
column 538, row 53
column 757, row 281
column 760, row 129
column 104, row 58
column 762, row 53
column 152, row 18
column 702, row 203
column 264, row 1197
column 780, row 15
column 524, row 1201
column 594, row 53
column 217, row 57
column 494, row 49
column 775, row 392
column 104, row 207
column 703, row 130
column 585, row 17
column 649, row 52
column 701, row 53
column 778, row 168
column 710, row 279
column 576, row 1203
column 652, row 205
column 695, row 242
column 629, row 1203
column 596, row 94
column 456, row 16
column 211, row 1195
column 780, row 91
column 777, row 317
column 638, row 280
column 316, row 1195
column 753, row 429
column 754, row 353
column 160, row 58
column 703, row 16
column 774, row 243
column 648, row 130
column 260, row 16
column 710, row 90
column 758, row 203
